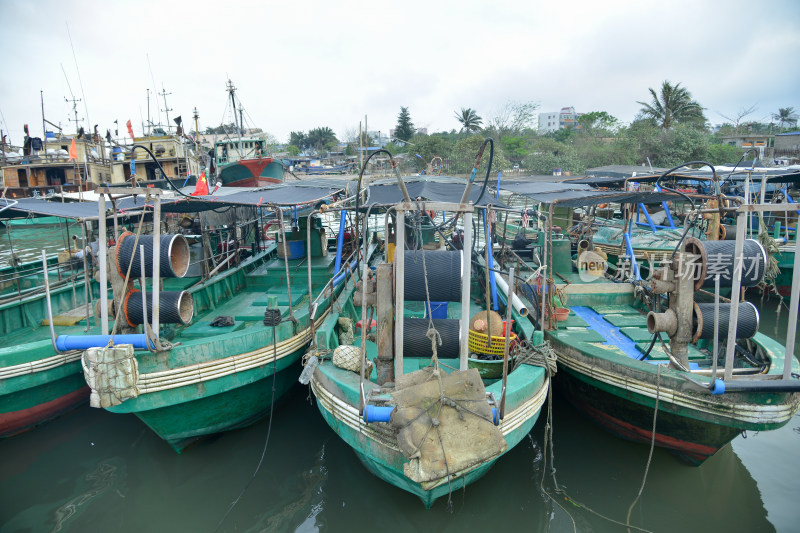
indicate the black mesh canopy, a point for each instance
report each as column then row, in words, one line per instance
column 439, row 189
column 570, row 194
column 37, row 207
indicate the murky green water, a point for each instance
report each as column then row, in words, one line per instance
column 96, row 471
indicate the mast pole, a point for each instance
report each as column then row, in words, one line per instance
column 44, row 130
column 148, row 112
column 164, row 93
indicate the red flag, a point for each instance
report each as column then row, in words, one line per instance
column 73, row 151
column 201, row 189
column 130, row 129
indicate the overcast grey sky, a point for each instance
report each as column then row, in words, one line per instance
column 298, row 65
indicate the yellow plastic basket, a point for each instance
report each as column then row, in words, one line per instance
column 479, row 343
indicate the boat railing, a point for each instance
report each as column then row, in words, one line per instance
column 743, row 212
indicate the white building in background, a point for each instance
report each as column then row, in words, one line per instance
column 557, row 120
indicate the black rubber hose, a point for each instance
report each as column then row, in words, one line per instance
column 734, row 167
column 688, row 198
column 164, row 174
column 358, row 188
column 488, row 167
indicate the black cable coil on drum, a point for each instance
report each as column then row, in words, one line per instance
column 717, row 257
column 443, row 269
column 703, row 321
column 416, row 341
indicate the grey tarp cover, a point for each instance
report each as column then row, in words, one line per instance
column 577, row 195
column 38, row 207
column 285, row 195
column 467, row 438
column 438, row 189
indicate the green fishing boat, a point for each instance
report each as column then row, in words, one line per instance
column 240, row 161
column 691, row 393
column 433, row 414
column 232, row 341
column 37, row 383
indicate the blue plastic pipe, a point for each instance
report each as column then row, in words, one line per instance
column 82, row 342
column 339, row 277
column 629, row 248
column 380, row 413
column 340, row 241
column 295, row 215
column 497, row 194
column 647, row 216
column 666, row 209
column 492, row 281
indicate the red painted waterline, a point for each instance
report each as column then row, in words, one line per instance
column 699, row 452
column 18, row 421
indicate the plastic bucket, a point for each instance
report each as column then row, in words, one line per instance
column 293, row 249
column 438, row 309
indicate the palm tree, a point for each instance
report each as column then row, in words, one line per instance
column 785, row 115
column 673, row 105
column 469, row 119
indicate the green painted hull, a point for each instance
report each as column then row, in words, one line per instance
column 619, row 392
column 338, row 397
column 243, row 399
column 37, row 385
column 216, row 379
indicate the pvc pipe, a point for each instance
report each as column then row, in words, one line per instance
column 503, row 286
column 82, row 342
column 466, row 278
column 340, row 276
column 629, row 249
column 382, row 413
column 647, row 216
column 49, row 305
column 156, row 267
column 492, row 276
column 102, row 255
column 340, row 241
column 666, row 209
column 400, row 288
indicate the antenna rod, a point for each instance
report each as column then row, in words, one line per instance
column 232, row 90
column 166, row 109
column 148, row 113
column 196, row 132
column 44, row 131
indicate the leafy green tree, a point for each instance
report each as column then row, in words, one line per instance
column 292, row 150
column 514, row 148
column 405, row 128
column 465, row 150
column 321, row 139
column 469, row 119
column 785, row 115
column 672, row 105
column 298, row 139
column 598, row 123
